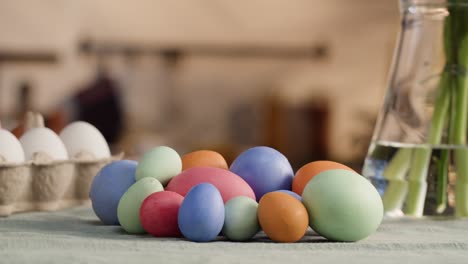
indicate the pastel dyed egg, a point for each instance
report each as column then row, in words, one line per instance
column 293, row 194
column 161, row 163
column 201, row 215
column 108, row 186
column 264, row 169
column 308, row 171
column 159, row 212
column 229, row 184
column 128, row 210
column 240, row 221
column 203, row 158
column 342, row 205
column 282, row 217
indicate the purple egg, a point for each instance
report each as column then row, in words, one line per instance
column 201, row 214
column 108, row 186
column 264, row 169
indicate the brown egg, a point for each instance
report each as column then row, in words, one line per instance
column 282, row 217
column 308, row 171
column 203, row 158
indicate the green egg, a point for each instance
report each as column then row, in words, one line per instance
column 161, row 163
column 240, row 221
column 342, row 205
column 128, row 210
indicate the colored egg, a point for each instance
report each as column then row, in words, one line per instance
column 229, row 184
column 161, row 163
column 264, row 169
column 308, row 171
column 240, row 219
column 128, row 210
column 108, row 186
column 282, row 217
column 201, row 215
column 342, row 205
column 203, row 158
column 293, row 194
column 158, row 214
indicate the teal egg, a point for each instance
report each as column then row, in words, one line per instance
column 128, row 210
column 240, row 221
column 342, row 205
column 161, row 163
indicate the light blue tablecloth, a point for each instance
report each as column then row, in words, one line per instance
column 76, row 236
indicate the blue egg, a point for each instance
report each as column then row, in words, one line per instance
column 201, row 215
column 293, row 194
column 108, row 187
column 264, row 169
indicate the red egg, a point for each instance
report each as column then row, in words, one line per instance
column 159, row 212
column 229, row 184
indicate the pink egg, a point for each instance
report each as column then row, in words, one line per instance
column 229, row 184
column 159, row 212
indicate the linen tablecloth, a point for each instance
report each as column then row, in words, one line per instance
column 76, row 236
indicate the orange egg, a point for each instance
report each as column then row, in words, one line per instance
column 308, row 171
column 203, row 158
column 282, row 217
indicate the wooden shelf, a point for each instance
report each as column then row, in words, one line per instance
column 27, row 57
column 240, row 51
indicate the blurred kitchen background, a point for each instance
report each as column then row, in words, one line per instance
column 304, row 76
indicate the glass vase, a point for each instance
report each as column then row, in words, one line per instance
column 418, row 157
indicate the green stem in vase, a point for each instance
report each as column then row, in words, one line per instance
column 460, row 132
column 442, row 180
column 417, row 184
column 397, row 188
column 443, row 162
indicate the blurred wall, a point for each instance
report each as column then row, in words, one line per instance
column 359, row 34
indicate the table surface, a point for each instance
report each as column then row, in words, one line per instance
column 76, row 236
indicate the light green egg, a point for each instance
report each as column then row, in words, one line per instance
column 128, row 210
column 240, row 221
column 342, row 205
column 161, row 163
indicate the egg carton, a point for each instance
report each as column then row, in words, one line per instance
column 47, row 185
column 44, row 182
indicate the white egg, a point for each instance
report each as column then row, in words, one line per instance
column 42, row 139
column 10, row 147
column 83, row 137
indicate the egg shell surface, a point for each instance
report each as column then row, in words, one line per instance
column 240, row 220
column 161, row 163
column 229, row 184
column 201, row 215
column 203, row 158
column 282, row 217
column 308, row 171
column 10, row 147
column 108, row 186
column 82, row 136
column 128, row 210
column 42, row 139
column 342, row 205
column 159, row 213
column 264, row 169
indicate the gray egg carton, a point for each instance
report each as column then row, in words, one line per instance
column 46, row 185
